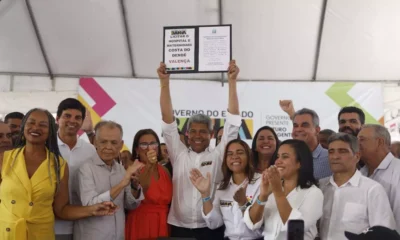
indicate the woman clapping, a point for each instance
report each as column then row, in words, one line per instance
column 235, row 194
column 288, row 191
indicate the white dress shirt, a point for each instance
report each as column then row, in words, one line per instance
column 78, row 155
column 226, row 211
column 355, row 206
column 306, row 205
column 186, row 200
column 388, row 175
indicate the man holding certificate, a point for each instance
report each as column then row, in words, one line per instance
column 185, row 215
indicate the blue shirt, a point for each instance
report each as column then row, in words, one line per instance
column 321, row 163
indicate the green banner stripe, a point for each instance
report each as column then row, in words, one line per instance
column 338, row 92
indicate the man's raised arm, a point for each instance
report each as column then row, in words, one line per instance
column 165, row 96
column 233, row 71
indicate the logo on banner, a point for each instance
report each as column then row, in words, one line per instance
column 245, row 131
column 218, row 120
column 103, row 102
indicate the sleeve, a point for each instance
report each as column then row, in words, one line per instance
column 130, row 201
column 87, row 188
column 214, row 218
column 249, row 223
column 382, row 214
column 172, row 141
column 310, row 211
column 230, row 131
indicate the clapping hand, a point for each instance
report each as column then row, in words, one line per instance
column 265, row 186
column 133, row 171
column 240, row 195
column 274, row 179
column 201, row 183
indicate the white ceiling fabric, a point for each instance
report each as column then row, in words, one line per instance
column 275, row 40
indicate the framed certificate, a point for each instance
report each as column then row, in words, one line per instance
column 197, row 49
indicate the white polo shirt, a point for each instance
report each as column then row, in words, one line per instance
column 76, row 157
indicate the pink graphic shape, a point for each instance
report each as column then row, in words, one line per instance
column 103, row 101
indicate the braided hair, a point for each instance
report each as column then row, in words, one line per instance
column 51, row 143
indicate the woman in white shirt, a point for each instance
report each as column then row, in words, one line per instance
column 236, row 192
column 287, row 191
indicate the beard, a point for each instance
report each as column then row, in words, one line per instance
column 349, row 131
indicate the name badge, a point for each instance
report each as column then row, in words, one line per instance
column 223, row 203
column 203, row 164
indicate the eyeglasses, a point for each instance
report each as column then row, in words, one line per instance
column 151, row 145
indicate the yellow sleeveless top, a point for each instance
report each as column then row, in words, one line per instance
column 26, row 205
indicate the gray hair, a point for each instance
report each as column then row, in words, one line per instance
column 314, row 115
column 109, row 124
column 347, row 138
column 201, row 118
column 380, row 132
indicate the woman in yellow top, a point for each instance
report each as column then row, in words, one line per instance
column 34, row 184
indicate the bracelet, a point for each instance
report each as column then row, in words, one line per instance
column 245, row 206
column 206, row 199
column 259, row 202
column 165, row 85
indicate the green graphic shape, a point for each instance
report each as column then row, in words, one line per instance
column 338, row 92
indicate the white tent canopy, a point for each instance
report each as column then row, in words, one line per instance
column 46, row 45
column 329, row 40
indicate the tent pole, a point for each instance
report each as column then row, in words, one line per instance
column 127, row 36
column 39, row 38
column 221, row 21
column 319, row 40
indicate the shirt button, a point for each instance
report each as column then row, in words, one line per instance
column 31, row 204
column 8, row 229
column 13, row 202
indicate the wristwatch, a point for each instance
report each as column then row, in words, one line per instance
column 246, row 205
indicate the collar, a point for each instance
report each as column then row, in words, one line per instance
column 382, row 166
column 98, row 161
column 317, row 151
column 353, row 181
column 61, row 143
column 246, row 180
column 386, row 161
column 191, row 150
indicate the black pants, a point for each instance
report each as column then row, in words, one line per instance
column 198, row 233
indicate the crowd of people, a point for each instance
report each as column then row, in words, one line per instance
column 55, row 185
